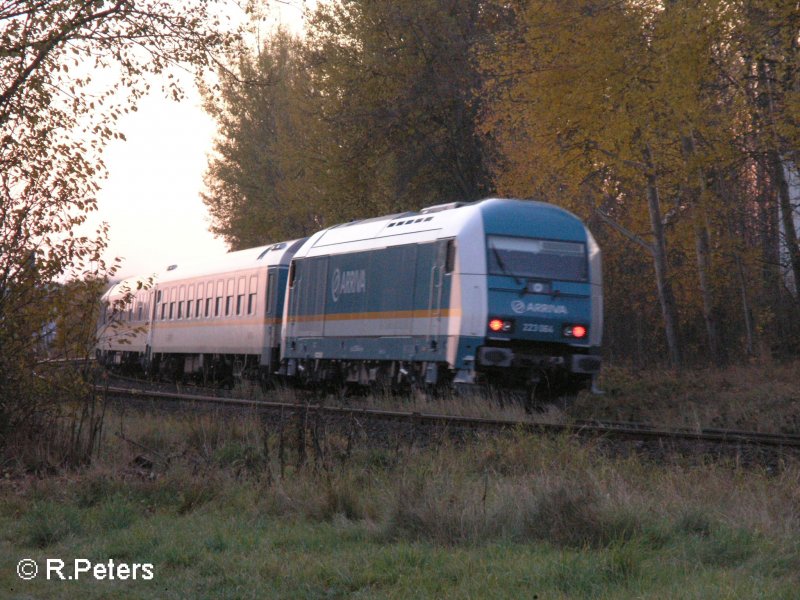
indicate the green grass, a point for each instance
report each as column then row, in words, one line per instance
column 505, row 516
column 209, row 554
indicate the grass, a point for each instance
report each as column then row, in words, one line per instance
column 222, row 508
column 761, row 396
column 212, row 553
column 510, row 516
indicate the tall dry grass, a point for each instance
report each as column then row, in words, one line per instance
column 514, row 487
column 762, row 396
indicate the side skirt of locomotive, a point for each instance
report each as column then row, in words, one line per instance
column 551, row 370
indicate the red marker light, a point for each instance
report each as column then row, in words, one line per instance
column 579, row 331
column 496, row 325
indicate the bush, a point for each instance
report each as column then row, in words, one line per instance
column 48, row 522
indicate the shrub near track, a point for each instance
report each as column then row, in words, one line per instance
column 223, row 515
column 757, row 397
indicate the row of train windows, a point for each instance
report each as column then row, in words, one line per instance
column 208, row 307
column 139, row 313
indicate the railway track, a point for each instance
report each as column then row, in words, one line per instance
column 583, row 428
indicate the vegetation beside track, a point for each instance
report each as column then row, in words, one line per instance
column 224, row 510
column 763, row 396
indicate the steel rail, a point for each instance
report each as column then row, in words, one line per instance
column 710, row 431
column 581, row 428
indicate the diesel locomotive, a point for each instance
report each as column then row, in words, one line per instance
column 499, row 292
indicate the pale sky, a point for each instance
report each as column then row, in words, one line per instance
column 151, row 198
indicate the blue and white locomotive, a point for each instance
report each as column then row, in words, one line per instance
column 504, row 292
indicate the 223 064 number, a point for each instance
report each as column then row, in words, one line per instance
column 537, row 328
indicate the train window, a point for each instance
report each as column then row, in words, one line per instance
column 208, row 307
column 141, row 309
column 528, row 257
column 199, row 306
column 217, row 306
column 180, row 309
column 171, row 310
column 228, row 302
column 292, row 274
column 158, row 296
column 251, row 304
column 270, row 292
column 239, row 304
column 163, row 311
column 450, row 257
column 189, row 309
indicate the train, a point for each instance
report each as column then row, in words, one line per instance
column 497, row 292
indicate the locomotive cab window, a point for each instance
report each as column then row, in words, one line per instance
column 529, row 257
column 450, row 257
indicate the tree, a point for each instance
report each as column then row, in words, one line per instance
column 397, row 90
column 55, row 118
column 658, row 119
column 576, row 112
column 257, row 180
column 374, row 111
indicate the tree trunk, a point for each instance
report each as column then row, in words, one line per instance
column 703, row 255
column 769, row 221
column 665, row 295
column 703, row 252
column 748, row 315
column 787, row 218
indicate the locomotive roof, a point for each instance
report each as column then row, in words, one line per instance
column 512, row 217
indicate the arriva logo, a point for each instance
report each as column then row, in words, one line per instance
column 348, row 282
column 519, row 307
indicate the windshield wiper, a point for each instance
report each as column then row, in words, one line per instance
column 503, row 268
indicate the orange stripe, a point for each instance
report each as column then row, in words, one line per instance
column 389, row 314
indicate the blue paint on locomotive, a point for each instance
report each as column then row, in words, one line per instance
column 393, row 303
column 531, row 219
column 538, row 316
column 351, row 306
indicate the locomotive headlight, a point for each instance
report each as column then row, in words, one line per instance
column 575, row 331
column 501, row 325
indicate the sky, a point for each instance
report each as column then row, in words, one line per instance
column 151, row 196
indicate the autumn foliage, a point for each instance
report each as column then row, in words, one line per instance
column 670, row 127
